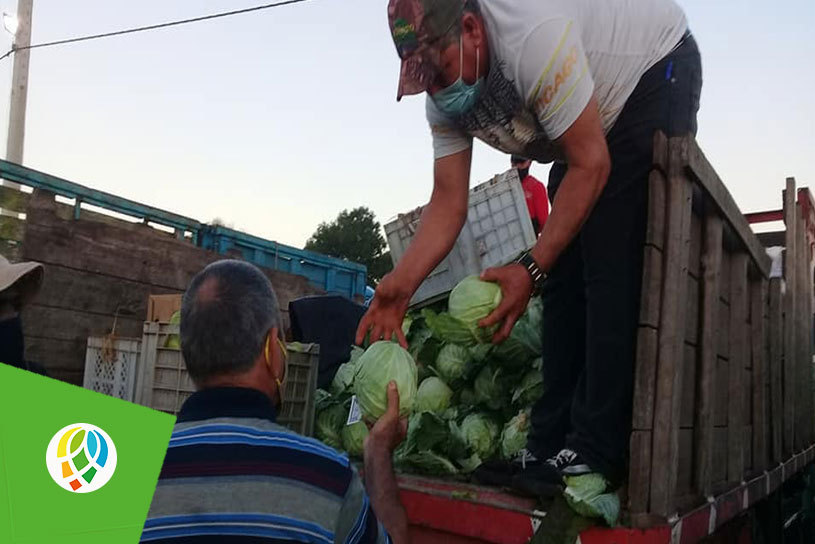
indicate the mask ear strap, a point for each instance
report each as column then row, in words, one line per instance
column 460, row 56
column 477, row 62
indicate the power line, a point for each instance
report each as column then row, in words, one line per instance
column 154, row 27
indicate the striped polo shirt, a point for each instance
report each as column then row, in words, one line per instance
column 231, row 474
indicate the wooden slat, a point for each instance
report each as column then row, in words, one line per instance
column 790, row 304
column 759, row 339
column 692, row 312
column 775, row 364
column 639, row 478
column 707, row 177
column 645, row 379
column 655, row 228
column 651, row 286
column 684, row 476
column 671, row 335
column 11, row 228
column 689, row 369
column 721, row 402
column 695, row 256
column 719, row 473
column 736, row 373
column 13, row 199
column 803, row 352
column 704, row 421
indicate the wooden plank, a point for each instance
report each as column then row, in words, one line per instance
column 803, row 334
column 724, row 287
column 655, row 227
column 721, row 400
column 706, row 382
column 684, row 477
column 775, row 365
column 719, row 473
column 758, row 343
column 736, row 374
column 747, row 440
column 671, row 336
column 723, row 329
column 11, row 228
column 689, row 370
column 645, row 380
column 695, row 256
column 692, row 311
column 651, row 286
column 639, row 478
column 13, row 199
column 50, row 322
column 699, row 167
column 790, row 304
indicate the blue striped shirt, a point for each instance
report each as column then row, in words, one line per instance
column 231, row 474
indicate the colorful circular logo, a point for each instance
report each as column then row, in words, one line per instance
column 81, row 458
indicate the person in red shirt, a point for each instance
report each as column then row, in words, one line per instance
column 537, row 200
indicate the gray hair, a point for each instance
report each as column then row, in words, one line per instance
column 226, row 314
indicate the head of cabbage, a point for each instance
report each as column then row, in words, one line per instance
column 530, row 388
column 513, row 436
column 353, row 438
column 329, row 423
column 480, row 433
column 382, row 362
column 452, row 362
column 471, row 300
column 492, row 387
column 433, row 395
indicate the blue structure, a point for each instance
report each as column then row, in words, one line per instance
column 328, row 273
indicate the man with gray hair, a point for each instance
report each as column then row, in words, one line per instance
column 231, row 473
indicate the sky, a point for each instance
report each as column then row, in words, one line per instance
column 278, row 120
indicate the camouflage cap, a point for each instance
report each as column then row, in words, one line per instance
column 415, row 26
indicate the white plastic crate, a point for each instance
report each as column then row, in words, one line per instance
column 112, row 365
column 497, row 229
column 164, row 383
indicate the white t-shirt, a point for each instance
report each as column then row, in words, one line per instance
column 547, row 58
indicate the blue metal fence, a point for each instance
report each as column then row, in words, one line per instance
column 328, row 273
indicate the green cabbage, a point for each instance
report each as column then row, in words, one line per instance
column 492, row 387
column 447, row 328
column 381, row 363
column 173, row 341
column 344, row 377
column 528, row 328
column 513, row 437
column 433, row 395
column 329, row 423
column 586, row 495
column 471, row 300
column 451, row 363
column 480, row 433
column 353, row 438
column 530, row 388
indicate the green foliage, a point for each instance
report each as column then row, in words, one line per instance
column 354, row 235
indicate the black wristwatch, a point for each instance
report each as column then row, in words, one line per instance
column 538, row 276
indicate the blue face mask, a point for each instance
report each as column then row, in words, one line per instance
column 460, row 97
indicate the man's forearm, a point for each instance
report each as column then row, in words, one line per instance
column 380, row 483
column 575, row 198
column 438, row 230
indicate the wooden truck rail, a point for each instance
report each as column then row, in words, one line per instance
column 723, row 388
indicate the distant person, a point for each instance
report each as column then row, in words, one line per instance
column 537, row 199
column 231, row 474
column 19, row 284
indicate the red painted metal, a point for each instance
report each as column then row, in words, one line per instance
column 765, row 217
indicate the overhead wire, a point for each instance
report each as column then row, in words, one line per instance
column 153, row 27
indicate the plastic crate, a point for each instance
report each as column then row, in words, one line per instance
column 111, row 366
column 164, row 383
column 497, row 229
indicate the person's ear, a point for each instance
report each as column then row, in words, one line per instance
column 273, row 355
column 472, row 29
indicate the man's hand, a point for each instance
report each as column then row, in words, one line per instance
column 389, row 430
column 516, row 289
column 384, row 317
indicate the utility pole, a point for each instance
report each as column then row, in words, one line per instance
column 19, row 82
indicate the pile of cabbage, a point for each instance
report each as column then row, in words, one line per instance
column 468, row 401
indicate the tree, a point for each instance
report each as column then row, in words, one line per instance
column 354, row 235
